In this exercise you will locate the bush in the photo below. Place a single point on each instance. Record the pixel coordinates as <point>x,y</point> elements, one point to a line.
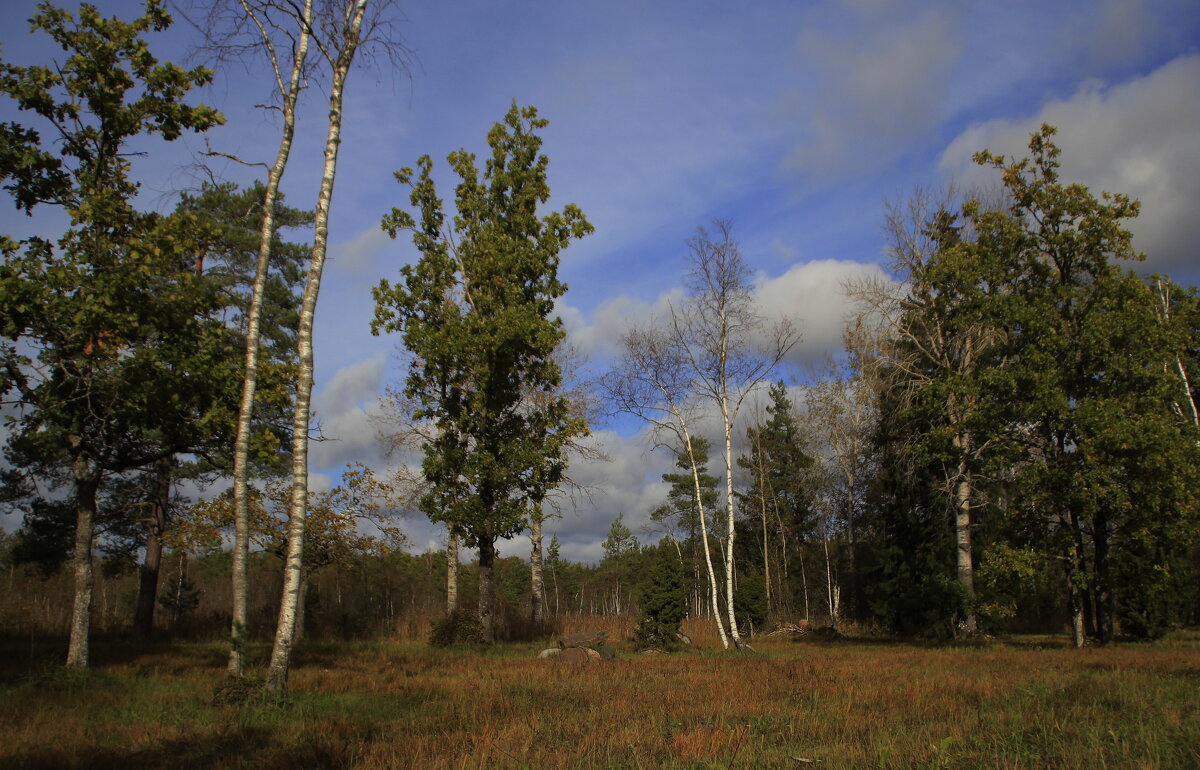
<point>663,603</point>
<point>459,627</point>
<point>750,602</point>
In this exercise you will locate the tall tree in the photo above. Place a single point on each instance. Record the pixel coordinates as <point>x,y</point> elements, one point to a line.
<point>777,494</point>
<point>477,314</point>
<point>87,303</point>
<point>287,77</point>
<point>729,349</point>
<point>1108,461</point>
<point>941,349</point>
<point>346,35</point>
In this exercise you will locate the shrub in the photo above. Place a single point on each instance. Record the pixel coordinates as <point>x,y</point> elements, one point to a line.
<point>459,627</point>
<point>663,603</point>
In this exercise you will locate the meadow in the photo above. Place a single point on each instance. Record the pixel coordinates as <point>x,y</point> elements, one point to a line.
<point>794,702</point>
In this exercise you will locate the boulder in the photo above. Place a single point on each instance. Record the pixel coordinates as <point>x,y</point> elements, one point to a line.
<point>553,652</point>
<point>683,638</point>
<point>579,655</point>
<point>606,652</point>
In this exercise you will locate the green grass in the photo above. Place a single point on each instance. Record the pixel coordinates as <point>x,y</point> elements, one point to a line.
<point>1016,704</point>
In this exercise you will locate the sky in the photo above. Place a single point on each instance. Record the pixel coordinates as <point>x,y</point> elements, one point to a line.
<point>797,121</point>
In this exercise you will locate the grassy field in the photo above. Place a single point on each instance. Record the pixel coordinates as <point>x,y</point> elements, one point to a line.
<point>1019,703</point>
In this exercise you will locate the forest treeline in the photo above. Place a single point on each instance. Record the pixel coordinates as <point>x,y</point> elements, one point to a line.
<point>1009,440</point>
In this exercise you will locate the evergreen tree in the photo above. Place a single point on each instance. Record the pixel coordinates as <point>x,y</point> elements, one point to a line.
<point>663,602</point>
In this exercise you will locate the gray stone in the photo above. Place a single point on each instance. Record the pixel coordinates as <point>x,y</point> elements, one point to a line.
<point>579,655</point>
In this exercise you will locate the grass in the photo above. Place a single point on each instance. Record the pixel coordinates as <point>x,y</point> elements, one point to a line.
<point>855,704</point>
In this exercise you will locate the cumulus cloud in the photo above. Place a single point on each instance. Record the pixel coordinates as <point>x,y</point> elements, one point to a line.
<point>344,409</point>
<point>1138,138</point>
<point>810,294</point>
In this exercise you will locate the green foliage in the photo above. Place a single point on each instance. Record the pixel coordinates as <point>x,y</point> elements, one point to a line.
<point>1004,576</point>
<point>663,602</point>
<point>620,541</point>
<point>459,627</point>
<point>476,313</point>
<point>750,601</point>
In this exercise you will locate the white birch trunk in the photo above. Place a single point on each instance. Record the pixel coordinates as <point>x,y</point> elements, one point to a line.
<point>729,500</point>
<point>962,533</point>
<point>712,578</point>
<point>241,452</point>
<point>537,599</point>
<point>451,573</point>
<point>281,652</point>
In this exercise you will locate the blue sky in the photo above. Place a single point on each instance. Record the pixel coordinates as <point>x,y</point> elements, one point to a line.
<point>796,120</point>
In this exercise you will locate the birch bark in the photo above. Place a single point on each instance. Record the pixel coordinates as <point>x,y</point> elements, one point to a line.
<point>281,652</point>
<point>241,452</point>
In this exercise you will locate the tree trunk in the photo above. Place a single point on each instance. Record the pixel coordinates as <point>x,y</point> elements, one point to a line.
<point>301,609</point>
<point>537,597</point>
<point>1104,591</point>
<point>86,480</point>
<point>281,653</point>
<point>834,592</point>
<point>804,581</point>
<point>700,515</point>
<point>147,599</point>
<point>487,588</point>
<point>241,452</point>
<point>451,573</point>
<point>729,567</point>
<point>962,532</point>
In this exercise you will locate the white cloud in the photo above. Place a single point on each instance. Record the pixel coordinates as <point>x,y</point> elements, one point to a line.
<point>811,294</point>
<point>1138,138</point>
<point>344,411</point>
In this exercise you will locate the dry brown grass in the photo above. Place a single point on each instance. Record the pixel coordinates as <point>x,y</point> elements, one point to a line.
<point>849,704</point>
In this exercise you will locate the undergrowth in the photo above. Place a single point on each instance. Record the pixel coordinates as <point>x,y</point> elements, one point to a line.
<point>834,703</point>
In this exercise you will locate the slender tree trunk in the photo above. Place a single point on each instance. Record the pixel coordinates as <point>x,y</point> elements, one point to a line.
<point>487,588</point>
<point>804,582</point>
<point>537,598</point>
<point>766,544</point>
<point>281,653</point>
<point>160,499</point>
<point>701,516</point>
<point>729,499</point>
<point>241,453</point>
<point>833,591</point>
<point>86,480</point>
<point>1104,591</point>
<point>451,573</point>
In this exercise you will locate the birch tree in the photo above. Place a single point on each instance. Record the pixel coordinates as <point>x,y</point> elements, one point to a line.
<point>652,381</point>
<point>339,54</point>
<point>282,32</point>
<point>728,349</point>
